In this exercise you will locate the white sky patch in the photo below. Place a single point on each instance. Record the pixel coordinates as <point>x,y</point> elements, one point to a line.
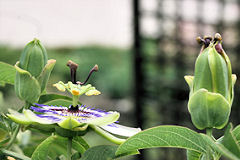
<point>62,22</point>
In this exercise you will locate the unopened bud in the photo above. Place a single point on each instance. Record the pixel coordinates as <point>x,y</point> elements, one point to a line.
<point>33,58</point>
<point>211,88</point>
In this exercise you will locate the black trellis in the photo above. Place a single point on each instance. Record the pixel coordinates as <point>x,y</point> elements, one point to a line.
<point>160,92</point>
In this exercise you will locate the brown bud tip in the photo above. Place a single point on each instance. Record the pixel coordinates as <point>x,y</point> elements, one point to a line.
<point>219,48</point>
<point>218,37</point>
<point>95,68</point>
<point>72,65</point>
<point>199,40</point>
<point>207,38</point>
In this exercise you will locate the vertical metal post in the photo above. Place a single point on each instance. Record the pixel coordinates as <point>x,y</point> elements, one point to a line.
<point>138,59</point>
<point>138,68</point>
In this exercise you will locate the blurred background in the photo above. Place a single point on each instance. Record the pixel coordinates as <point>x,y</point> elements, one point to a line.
<point>143,49</point>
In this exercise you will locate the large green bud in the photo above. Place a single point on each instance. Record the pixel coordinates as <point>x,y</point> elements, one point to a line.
<point>33,58</point>
<point>211,87</point>
<point>33,71</point>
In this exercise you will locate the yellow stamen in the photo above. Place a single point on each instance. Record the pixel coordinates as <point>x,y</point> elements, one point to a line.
<point>75,92</point>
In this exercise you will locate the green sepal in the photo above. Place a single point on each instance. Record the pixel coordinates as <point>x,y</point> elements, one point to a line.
<point>69,133</point>
<point>234,79</point>
<point>44,76</point>
<point>219,72</point>
<point>189,80</point>
<point>26,86</point>
<point>32,117</point>
<point>33,58</point>
<point>19,117</point>
<point>208,110</point>
<point>44,128</point>
<point>202,74</point>
<point>230,79</point>
<point>69,123</point>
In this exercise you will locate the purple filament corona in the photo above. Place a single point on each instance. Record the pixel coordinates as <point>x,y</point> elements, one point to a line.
<point>56,114</point>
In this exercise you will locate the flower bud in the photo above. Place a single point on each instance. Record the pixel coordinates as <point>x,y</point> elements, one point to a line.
<point>211,88</point>
<point>33,58</point>
<point>32,72</point>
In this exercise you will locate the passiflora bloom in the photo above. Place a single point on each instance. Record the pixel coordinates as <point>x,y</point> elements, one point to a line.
<point>75,119</point>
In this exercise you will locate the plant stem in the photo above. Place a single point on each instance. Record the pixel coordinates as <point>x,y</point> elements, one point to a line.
<point>69,148</point>
<point>13,136</point>
<point>16,155</point>
<point>75,100</point>
<point>27,105</point>
<point>209,133</point>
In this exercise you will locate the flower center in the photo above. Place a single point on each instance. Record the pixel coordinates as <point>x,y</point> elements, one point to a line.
<point>73,109</point>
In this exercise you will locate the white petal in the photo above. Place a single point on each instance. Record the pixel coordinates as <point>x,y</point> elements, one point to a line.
<point>105,120</point>
<point>19,117</point>
<point>121,130</point>
<point>31,116</point>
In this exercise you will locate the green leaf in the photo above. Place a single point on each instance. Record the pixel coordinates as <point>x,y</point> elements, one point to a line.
<point>236,133</point>
<point>4,142</point>
<point>3,134</point>
<point>81,141</point>
<point>60,147</point>
<point>76,156</point>
<point>193,155</point>
<point>229,141</point>
<point>59,102</point>
<point>219,148</point>
<point>49,97</point>
<point>41,152</point>
<point>78,146</point>
<point>61,142</point>
<point>55,99</point>
<point>104,152</point>
<point>164,136</point>
<point>8,73</point>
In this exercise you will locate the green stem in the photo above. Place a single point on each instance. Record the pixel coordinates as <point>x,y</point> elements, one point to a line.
<point>107,135</point>
<point>209,133</point>
<point>75,100</point>
<point>13,136</point>
<point>69,148</point>
<point>16,155</point>
<point>27,105</point>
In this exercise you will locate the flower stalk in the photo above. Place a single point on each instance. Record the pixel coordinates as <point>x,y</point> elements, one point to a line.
<point>13,137</point>
<point>69,148</point>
